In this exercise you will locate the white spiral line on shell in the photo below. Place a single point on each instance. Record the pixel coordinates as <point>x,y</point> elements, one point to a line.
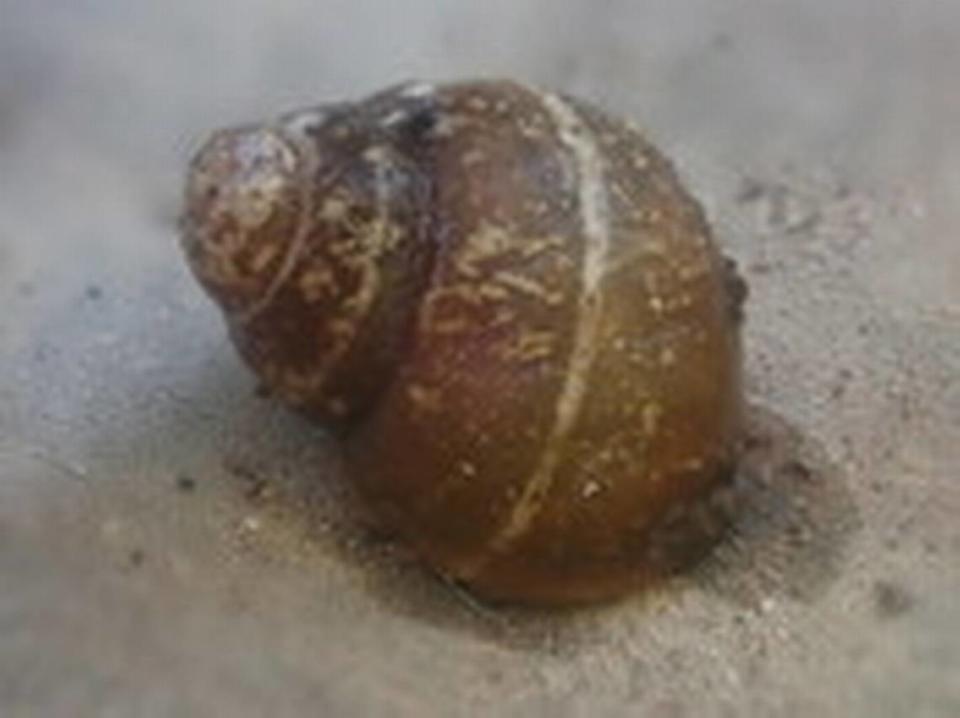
<point>595,219</point>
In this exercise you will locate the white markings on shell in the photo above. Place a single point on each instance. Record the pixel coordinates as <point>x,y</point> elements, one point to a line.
<point>417,89</point>
<point>364,245</point>
<point>302,122</point>
<point>239,180</point>
<point>479,282</point>
<point>395,117</point>
<point>410,91</point>
<point>382,234</point>
<point>251,175</point>
<point>577,139</point>
<point>306,163</point>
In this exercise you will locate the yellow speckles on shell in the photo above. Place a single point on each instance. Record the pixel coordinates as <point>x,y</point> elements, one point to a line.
<point>694,270</point>
<point>532,132</point>
<point>239,182</point>
<point>492,291</point>
<point>218,264</point>
<point>606,456</point>
<point>448,125</point>
<point>377,155</point>
<point>361,245</point>
<point>341,328</point>
<point>335,209</point>
<point>266,254</point>
<point>252,173</point>
<point>440,313</point>
<point>536,245</point>
<point>491,243</point>
<point>453,325</point>
<point>317,282</point>
<point>478,282</point>
<point>528,286</point>
<point>345,275</point>
<point>258,204</point>
<point>487,242</point>
<point>503,316</point>
<point>529,346</point>
<point>425,398</point>
<point>478,103</point>
<point>693,464</point>
<point>668,357</point>
<point>590,489</point>
<point>534,126</point>
<point>473,157</point>
<point>655,248</point>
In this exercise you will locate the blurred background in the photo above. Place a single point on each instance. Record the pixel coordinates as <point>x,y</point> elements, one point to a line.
<point>170,544</point>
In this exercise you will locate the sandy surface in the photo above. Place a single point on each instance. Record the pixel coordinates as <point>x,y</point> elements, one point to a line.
<point>172,545</point>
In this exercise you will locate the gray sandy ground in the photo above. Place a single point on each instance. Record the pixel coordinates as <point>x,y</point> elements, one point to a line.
<point>170,544</point>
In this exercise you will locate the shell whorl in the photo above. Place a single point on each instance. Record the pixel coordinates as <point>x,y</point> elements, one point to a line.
<point>313,242</point>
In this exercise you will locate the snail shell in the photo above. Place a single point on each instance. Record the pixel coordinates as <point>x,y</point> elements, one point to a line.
<point>511,310</point>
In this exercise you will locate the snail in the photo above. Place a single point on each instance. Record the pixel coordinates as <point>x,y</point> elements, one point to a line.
<point>508,308</point>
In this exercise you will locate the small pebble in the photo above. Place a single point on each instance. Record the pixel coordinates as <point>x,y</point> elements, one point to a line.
<point>186,484</point>
<point>891,600</point>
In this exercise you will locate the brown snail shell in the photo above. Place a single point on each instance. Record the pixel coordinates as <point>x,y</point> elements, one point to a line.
<point>510,308</point>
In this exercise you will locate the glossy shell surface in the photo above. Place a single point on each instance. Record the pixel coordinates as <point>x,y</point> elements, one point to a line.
<point>511,308</point>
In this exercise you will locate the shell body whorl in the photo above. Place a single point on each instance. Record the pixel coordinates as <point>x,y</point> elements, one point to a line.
<point>515,308</point>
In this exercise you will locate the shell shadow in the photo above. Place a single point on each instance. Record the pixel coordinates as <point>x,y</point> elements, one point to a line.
<point>795,518</point>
